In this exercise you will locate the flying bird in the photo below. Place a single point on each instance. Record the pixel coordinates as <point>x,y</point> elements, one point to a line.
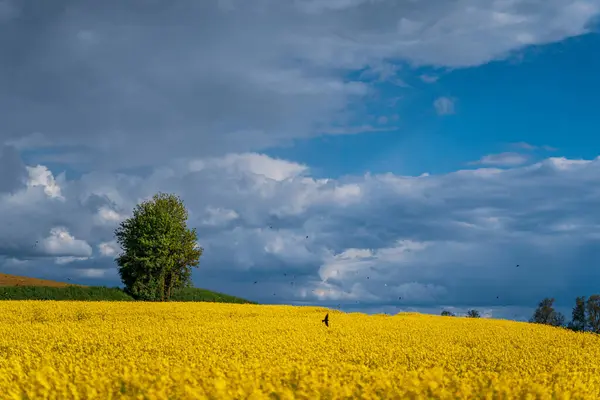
<point>326,320</point>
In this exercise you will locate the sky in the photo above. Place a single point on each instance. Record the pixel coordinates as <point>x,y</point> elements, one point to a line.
<point>372,155</point>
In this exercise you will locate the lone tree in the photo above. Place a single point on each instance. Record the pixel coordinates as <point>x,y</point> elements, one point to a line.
<point>473,314</point>
<point>447,313</point>
<point>593,313</point>
<point>158,249</point>
<point>546,314</point>
<point>578,320</point>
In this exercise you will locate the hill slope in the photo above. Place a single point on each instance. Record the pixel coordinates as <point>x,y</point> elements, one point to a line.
<point>14,287</point>
<point>16,280</point>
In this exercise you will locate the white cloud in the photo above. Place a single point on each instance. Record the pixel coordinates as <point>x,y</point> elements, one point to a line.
<point>257,164</point>
<point>433,240</point>
<point>353,130</point>
<point>503,159</point>
<point>219,216</point>
<point>68,260</point>
<point>109,249</point>
<point>444,105</point>
<point>525,146</point>
<point>61,243</point>
<point>382,120</point>
<point>108,216</point>
<point>94,273</point>
<point>429,78</point>
<point>40,176</point>
<point>528,146</point>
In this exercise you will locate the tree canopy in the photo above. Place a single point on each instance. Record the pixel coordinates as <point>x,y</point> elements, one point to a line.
<point>578,320</point>
<point>158,249</point>
<point>593,313</point>
<point>546,314</point>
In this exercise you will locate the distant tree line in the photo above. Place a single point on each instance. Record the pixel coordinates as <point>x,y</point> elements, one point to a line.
<point>584,317</point>
<point>470,314</point>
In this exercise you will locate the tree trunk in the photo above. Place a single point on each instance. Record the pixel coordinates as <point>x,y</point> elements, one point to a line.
<point>169,285</point>
<point>162,287</point>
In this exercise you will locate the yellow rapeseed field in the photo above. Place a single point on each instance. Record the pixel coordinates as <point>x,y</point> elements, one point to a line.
<point>80,350</point>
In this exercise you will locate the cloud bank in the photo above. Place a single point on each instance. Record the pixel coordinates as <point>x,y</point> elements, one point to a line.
<point>371,241</point>
<point>113,85</point>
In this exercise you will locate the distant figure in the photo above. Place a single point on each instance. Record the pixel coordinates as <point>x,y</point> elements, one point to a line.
<point>517,265</point>
<point>326,320</point>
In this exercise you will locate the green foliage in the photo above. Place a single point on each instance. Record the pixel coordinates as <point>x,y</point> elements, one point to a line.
<point>473,314</point>
<point>102,293</point>
<point>546,314</point>
<point>593,313</point>
<point>158,249</point>
<point>447,313</point>
<point>195,294</point>
<point>578,320</point>
<point>76,293</point>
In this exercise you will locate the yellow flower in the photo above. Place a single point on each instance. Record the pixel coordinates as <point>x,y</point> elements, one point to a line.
<point>110,350</point>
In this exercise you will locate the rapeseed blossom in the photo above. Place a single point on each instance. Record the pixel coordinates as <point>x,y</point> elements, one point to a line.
<point>110,350</point>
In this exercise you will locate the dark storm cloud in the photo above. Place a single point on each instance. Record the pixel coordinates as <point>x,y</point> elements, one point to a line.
<point>128,83</point>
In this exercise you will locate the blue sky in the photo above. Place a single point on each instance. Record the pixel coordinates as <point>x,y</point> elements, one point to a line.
<point>390,156</point>
<point>543,95</point>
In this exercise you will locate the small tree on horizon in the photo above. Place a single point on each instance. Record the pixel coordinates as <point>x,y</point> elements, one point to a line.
<point>593,313</point>
<point>578,320</point>
<point>447,313</point>
<point>473,314</point>
<point>158,249</point>
<point>546,314</point>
